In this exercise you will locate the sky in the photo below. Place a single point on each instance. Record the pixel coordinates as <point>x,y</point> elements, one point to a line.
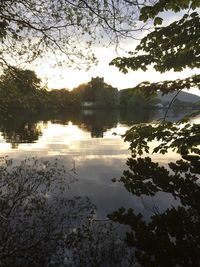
<point>63,77</point>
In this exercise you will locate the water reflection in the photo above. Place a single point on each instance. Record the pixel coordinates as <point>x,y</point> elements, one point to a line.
<point>18,130</point>
<point>43,222</point>
<point>41,225</point>
<point>27,128</point>
<point>168,236</point>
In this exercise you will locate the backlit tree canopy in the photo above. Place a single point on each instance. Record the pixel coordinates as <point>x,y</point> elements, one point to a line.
<point>171,46</point>
<point>168,237</point>
<point>23,80</point>
<point>29,29</point>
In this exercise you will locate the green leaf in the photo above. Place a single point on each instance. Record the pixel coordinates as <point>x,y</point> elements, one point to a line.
<point>158,21</point>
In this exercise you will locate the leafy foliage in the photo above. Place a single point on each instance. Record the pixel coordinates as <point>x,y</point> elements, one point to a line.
<point>18,79</point>
<point>41,224</point>
<point>35,214</point>
<point>22,89</point>
<point>175,46</point>
<point>170,236</point>
<point>149,89</point>
<point>30,29</point>
<point>100,244</point>
<point>137,98</point>
<point>182,138</point>
<point>150,12</point>
<point>161,239</point>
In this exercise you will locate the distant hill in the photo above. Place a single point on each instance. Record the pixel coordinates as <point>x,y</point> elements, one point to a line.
<point>182,96</point>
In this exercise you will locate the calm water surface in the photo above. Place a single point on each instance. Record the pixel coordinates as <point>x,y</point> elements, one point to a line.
<point>90,147</point>
<point>89,143</point>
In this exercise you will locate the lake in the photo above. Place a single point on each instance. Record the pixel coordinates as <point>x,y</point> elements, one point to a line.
<point>89,148</point>
<point>89,141</point>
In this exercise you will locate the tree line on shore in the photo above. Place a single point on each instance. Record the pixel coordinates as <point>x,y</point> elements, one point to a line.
<point>22,89</point>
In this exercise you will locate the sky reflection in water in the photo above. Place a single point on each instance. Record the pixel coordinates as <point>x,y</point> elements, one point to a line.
<point>85,142</point>
<point>91,149</point>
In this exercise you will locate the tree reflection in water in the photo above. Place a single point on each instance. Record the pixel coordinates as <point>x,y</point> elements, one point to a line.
<point>40,225</point>
<point>23,128</point>
<point>20,129</point>
<point>170,237</point>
